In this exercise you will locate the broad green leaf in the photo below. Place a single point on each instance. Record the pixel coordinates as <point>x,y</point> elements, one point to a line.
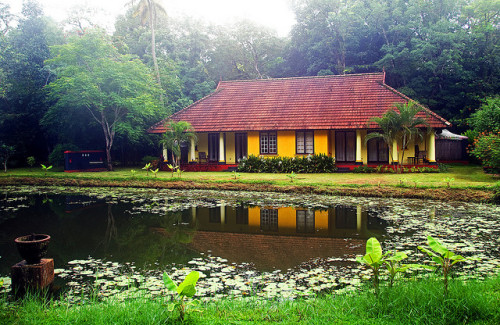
<point>360,259</point>
<point>169,284</point>
<point>436,246</point>
<point>374,249</point>
<point>188,291</point>
<point>425,250</point>
<point>171,307</point>
<point>190,279</point>
<point>438,260</point>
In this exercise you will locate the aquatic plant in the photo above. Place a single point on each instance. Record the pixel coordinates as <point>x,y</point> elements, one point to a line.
<point>443,257</point>
<point>184,290</point>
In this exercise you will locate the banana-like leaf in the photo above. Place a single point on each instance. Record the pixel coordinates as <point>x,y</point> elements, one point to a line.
<point>396,256</point>
<point>436,246</point>
<point>188,291</point>
<point>374,250</point>
<point>425,250</point>
<point>438,260</point>
<point>171,307</point>
<point>169,284</point>
<point>190,280</point>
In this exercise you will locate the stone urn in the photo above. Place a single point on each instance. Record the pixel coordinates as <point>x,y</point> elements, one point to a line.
<point>33,247</point>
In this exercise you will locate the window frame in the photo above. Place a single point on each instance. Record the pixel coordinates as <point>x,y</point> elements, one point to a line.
<point>304,138</point>
<point>268,142</point>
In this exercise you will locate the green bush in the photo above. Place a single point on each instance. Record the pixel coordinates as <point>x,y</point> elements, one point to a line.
<point>56,157</point>
<point>366,169</point>
<point>487,149</point>
<point>310,164</point>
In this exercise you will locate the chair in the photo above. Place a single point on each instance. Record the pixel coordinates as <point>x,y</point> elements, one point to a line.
<point>202,156</point>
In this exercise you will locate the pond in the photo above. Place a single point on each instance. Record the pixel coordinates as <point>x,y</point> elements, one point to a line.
<point>268,244</point>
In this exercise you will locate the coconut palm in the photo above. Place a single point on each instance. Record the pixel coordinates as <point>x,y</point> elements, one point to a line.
<point>148,11</point>
<point>402,126</point>
<point>177,133</point>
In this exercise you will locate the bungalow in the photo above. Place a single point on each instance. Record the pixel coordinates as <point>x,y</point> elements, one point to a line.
<point>295,117</point>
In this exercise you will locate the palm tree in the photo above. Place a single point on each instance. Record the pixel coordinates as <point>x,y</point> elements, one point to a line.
<point>402,126</point>
<point>148,10</point>
<point>177,133</point>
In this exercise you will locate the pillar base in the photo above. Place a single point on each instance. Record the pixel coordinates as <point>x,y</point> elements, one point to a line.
<point>358,163</point>
<point>32,276</point>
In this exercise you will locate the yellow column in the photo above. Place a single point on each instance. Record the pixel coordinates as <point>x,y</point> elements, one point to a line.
<point>193,215</point>
<point>221,147</point>
<point>395,151</point>
<point>359,159</point>
<point>192,155</point>
<point>431,151</point>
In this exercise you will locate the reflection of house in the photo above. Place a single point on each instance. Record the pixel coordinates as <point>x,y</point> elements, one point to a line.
<point>295,117</point>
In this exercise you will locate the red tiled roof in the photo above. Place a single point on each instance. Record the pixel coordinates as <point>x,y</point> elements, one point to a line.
<point>314,103</point>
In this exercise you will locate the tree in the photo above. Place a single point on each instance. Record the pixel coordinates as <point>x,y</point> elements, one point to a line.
<point>177,133</point>
<point>116,90</point>
<point>5,153</point>
<point>148,11</point>
<point>402,126</point>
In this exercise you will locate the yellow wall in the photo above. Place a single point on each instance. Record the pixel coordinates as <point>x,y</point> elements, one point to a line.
<point>364,147</point>
<point>202,143</point>
<point>230,148</point>
<point>321,142</point>
<point>253,143</point>
<point>286,143</point>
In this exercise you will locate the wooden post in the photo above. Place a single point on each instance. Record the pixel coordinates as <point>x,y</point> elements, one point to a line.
<point>32,276</point>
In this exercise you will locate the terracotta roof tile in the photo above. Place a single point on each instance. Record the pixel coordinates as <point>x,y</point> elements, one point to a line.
<point>319,103</point>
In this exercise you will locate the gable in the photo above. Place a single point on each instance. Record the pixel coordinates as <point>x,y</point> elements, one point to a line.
<point>306,103</point>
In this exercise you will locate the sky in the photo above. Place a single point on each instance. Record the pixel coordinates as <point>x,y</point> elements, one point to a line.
<point>275,14</point>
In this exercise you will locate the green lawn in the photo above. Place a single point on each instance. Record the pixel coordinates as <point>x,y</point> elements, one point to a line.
<point>464,176</point>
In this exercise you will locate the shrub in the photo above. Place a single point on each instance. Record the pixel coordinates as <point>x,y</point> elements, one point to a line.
<point>365,169</point>
<point>487,149</point>
<point>56,157</point>
<point>311,164</point>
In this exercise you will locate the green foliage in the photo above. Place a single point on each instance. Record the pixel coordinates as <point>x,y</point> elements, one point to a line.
<point>31,161</point>
<point>45,169</point>
<point>133,172</point>
<point>117,91</point>
<point>149,159</point>
<point>443,257</point>
<point>5,153</point>
<point>187,289</point>
<point>311,164</point>
<point>176,134</point>
<point>366,169</point>
<point>448,181</point>
<point>292,176</point>
<point>487,150</point>
<point>155,171</point>
<point>56,157</point>
<point>236,175</point>
<point>147,168</point>
<point>373,259</point>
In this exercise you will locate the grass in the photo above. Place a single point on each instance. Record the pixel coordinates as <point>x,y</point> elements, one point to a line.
<point>412,302</point>
<point>465,176</point>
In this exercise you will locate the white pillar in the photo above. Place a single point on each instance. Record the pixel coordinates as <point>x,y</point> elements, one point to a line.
<point>222,214</point>
<point>221,147</point>
<point>165,153</point>
<point>359,159</point>
<point>431,148</point>
<point>192,154</point>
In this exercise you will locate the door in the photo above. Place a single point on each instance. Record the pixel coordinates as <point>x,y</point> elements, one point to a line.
<point>213,147</point>
<point>241,146</point>
<point>345,146</point>
<point>378,152</point>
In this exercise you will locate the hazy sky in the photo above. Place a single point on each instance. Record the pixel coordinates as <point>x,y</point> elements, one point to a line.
<point>272,13</point>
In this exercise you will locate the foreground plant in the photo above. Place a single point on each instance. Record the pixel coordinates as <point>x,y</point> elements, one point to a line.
<point>155,171</point>
<point>45,169</point>
<point>443,258</point>
<point>185,290</point>
<point>292,176</point>
<point>147,167</point>
<point>373,259</point>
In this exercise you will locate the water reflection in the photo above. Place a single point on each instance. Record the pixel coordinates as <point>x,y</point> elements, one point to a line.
<point>269,237</point>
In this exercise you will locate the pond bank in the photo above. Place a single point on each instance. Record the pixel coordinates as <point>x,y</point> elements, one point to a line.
<point>404,191</point>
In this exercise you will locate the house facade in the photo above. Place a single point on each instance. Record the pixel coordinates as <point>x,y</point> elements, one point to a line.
<point>292,117</point>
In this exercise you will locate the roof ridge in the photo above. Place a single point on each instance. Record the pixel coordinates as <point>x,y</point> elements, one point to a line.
<point>305,77</point>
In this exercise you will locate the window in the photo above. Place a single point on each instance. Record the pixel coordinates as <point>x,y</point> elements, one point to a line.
<point>269,219</point>
<point>268,143</point>
<point>304,143</point>
<point>305,221</point>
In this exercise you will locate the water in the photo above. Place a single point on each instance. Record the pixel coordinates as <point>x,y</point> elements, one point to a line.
<point>269,237</point>
<point>272,245</point>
